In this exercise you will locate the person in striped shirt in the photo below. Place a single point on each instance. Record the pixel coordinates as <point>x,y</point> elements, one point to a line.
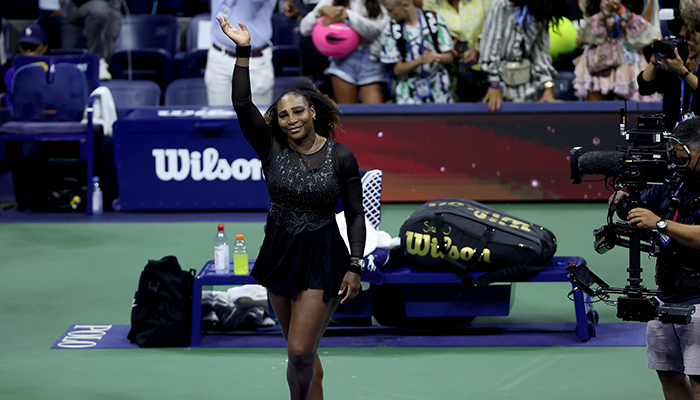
<point>515,50</point>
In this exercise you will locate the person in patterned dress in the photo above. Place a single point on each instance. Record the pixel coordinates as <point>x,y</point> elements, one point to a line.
<point>410,50</point>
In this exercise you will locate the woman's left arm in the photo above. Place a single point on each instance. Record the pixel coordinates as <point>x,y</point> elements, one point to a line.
<point>639,32</point>
<point>351,195</point>
<point>369,29</point>
<point>542,69</point>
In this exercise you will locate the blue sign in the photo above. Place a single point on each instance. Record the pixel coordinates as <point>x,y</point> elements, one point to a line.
<point>183,158</point>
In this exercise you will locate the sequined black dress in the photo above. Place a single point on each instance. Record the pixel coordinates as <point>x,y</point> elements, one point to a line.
<point>303,248</point>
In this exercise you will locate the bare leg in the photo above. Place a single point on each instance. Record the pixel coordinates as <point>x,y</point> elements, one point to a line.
<point>596,96</point>
<point>372,93</point>
<point>343,92</point>
<point>695,386</point>
<point>303,321</point>
<point>675,385</point>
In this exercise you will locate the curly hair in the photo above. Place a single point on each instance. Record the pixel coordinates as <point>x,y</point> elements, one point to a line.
<point>327,112</point>
<point>691,17</point>
<point>372,6</point>
<point>635,6</point>
<point>544,11</point>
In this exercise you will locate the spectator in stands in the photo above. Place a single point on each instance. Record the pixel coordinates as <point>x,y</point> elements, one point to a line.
<point>416,45</point>
<point>464,20</point>
<point>102,22</point>
<point>515,50</point>
<point>621,24</point>
<point>312,62</point>
<point>360,70</point>
<point>32,42</point>
<point>257,14</point>
<point>675,78</point>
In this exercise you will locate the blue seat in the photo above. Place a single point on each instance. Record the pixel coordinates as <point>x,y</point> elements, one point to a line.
<point>285,45</point>
<point>88,63</point>
<point>48,105</point>
<point>564,86</point>
<point>186,92</point>
<point>194,62</point>
<point>145,48</point>
<point>128,94</point>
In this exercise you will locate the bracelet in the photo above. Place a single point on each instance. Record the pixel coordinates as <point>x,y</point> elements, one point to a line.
<point>624,13</point>
<point>357,266</point>
<point>685,74</point>
<point>243,51</point>
<point>495,85</point>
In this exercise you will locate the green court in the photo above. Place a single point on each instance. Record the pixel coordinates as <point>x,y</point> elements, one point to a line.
<point>58,274</point>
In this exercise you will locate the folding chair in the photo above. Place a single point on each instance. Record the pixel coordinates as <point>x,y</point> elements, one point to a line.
<point>48,105</point>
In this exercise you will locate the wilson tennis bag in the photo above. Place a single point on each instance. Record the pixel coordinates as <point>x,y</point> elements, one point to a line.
<point>461,236</point>
<point>161,315</point>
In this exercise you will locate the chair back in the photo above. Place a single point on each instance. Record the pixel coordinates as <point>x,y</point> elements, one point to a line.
<point>89,64</point>
<point>137,93</point>
<point>58,93</point>
<point>198,32</point>
<point>149,31</point>
<point>186,92</point>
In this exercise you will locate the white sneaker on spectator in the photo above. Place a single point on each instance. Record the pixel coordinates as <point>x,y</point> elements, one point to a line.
<point>104,70</point>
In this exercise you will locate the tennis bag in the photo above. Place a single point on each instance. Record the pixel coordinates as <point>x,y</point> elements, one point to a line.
<point>461,236</point>
<point>161,315</point>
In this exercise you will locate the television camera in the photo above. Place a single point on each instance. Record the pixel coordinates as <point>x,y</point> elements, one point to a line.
<point>649,160</point>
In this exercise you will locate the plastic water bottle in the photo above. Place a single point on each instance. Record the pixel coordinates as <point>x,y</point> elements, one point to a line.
<point>221,254</point>
<point>96,196</point>
<point>240,256</point>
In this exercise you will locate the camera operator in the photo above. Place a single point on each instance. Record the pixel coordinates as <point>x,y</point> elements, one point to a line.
<point>673,350</point>
<point>673,77</point>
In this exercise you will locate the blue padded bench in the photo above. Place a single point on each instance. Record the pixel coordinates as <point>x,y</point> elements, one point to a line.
<point>417,294</point>
<point>411,293</point>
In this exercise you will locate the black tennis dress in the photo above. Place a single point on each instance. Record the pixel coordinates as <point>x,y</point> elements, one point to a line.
<point>302,248</point>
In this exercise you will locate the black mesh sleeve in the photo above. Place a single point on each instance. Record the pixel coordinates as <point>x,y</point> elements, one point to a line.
<point>255,130</point>
<point>351,195</point>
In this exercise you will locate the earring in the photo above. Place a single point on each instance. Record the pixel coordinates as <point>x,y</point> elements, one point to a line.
<point>314,118</point>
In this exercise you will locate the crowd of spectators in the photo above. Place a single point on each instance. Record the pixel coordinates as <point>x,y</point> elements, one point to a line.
<point>434,51</point>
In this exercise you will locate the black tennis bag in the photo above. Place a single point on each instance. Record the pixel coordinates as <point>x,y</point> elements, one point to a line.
<point>161,315</point>
<point>460,235</point>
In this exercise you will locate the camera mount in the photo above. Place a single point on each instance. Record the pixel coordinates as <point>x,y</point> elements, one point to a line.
<point>649,160</point>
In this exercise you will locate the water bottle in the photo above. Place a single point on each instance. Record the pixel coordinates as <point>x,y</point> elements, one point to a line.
<point>221,254</point>
<point>240,256</point>
<point>96,196</point>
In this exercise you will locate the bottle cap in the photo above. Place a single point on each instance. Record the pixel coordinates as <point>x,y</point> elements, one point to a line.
<point>221,227</point>
<point>239,237</point>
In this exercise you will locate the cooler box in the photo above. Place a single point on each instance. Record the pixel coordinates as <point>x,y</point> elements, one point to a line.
<point>186,158</point>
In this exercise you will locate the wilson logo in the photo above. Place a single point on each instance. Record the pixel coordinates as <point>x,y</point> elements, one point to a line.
<point>178,164</point>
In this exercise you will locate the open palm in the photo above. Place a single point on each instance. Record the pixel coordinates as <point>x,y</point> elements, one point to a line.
<point>239,36</point>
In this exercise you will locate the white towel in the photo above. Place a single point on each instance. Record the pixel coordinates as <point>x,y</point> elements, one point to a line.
<point>104,110</point>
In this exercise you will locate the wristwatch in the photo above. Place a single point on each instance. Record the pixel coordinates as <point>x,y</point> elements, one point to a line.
<point>661,225</point>
<point>548,85</point>
<point>685,74</point>
<point>357,265</point>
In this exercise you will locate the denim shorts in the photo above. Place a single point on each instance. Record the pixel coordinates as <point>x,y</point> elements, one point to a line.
<point>359,68</point>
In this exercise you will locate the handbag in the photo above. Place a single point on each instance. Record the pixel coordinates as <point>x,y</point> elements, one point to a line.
<point>602,59</point>
<point>516,73</point>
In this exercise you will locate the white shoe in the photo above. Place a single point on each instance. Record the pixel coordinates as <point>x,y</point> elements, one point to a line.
<point>104,70</point>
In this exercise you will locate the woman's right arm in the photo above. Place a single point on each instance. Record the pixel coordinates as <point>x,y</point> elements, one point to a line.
<point>253,125</point>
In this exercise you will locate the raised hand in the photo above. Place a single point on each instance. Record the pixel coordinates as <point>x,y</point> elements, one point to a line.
<point>241,37</point>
